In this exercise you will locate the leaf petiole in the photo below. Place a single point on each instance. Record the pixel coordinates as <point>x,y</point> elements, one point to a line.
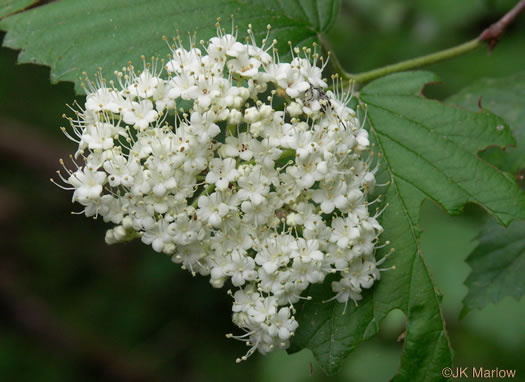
<point>490,35</point>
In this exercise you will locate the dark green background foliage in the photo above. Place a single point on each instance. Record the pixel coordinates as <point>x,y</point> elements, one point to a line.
<point>74,309</point>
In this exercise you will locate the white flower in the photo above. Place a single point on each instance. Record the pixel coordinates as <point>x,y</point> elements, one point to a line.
<point>212,209</point>
<point>242,268</point>
<point>159,237</point>
<point>238,146</point>
<point>204,91</point>
<point>204,162</point>
<point>307,271</point>
<point>306,250</point>
<point>283,325</point>
<point>186,230</point>
<point>219,47</point>
<point>253,186</point>
<point>161,96</point>
<point>181,86</point>
<point>330,196</point>
<point>203,126</point>
<point>274,252</point>
<point>184,61</point>
<point>312,73</point>
<point>88,184</point>
<point>265,153</point>
<point>262,309</point>
<point>244,299</point>
<point>140,114</point>
<point>104,99</point>
<point>99,136</point>
<point>292,81</point>
<point>118,171</point>
<point>345,290</point>
<point>222,172</point>
<point>192,257</point>
<point>144,85</point>
<point>255,213</point>
<point>242,63</point>
<point>345,230</point>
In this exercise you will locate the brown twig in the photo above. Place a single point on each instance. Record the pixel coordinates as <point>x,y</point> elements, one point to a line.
<point>493,33</point>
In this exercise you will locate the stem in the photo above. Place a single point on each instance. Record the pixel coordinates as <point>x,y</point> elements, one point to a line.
<point>418,62</point>
<point>490,35</point>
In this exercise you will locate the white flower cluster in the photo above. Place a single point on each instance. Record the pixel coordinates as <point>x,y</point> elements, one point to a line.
<point>258,182</point>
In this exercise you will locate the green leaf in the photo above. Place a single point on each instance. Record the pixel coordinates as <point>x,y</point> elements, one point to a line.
<point>506,98</point>
<point>8,7</point>
<point>74,36</point>
<point>498,266</point>
<point>429,150</point>
<point>498,263</point>
<point>320,15</point>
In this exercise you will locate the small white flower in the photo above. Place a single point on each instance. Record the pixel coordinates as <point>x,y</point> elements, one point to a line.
<point>202,126</point>
<point>159,237</point>
<point>242,268</point>
<point>344,231</point>
<point>144,85</point>
<point>345,290</point>
<point>140,114</point>
<point>261,310</point>
<point>236,186</point>
<point>255,213</point>
<point>99,136</point>
<point>212,209</point>
<point>222,172</point>
<point>330,196</point>
<point>104,99</point>
<point>253,186</point>
<point>88,184</point>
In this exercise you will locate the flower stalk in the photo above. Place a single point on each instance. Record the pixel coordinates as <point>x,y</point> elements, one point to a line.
<point>490,35</point>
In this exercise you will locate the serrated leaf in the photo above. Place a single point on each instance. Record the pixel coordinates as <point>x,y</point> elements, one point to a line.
<point>74,36</point>
<point>506,98</point>
<point>429,150</point>
<point>8,7</point>
<point>498,266</point>
<point>498,263</point>
<point>432,148</point>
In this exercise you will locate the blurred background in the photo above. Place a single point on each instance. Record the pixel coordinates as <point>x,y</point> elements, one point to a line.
<point>74,309</point>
